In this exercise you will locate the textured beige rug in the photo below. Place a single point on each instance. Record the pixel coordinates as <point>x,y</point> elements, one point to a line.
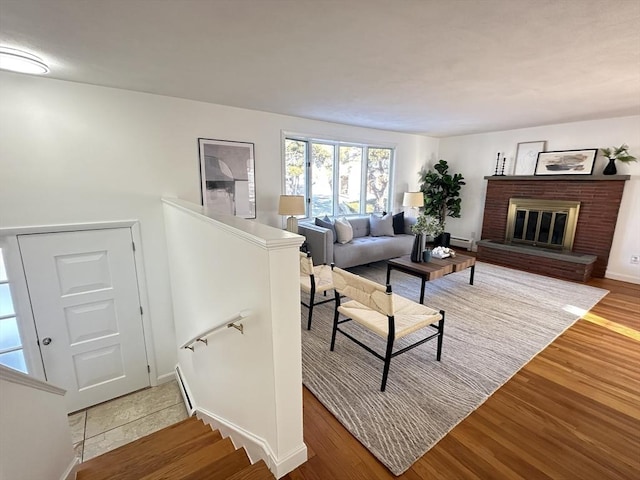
<point>492,329</point>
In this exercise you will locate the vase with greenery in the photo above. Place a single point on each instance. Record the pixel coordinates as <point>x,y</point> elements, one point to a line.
<point>425,226</point>
<point>616,153</point>
<point>441,195</point>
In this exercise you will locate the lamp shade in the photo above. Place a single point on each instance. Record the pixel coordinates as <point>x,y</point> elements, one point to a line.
<point>291,205</point>
<point>413,199</point>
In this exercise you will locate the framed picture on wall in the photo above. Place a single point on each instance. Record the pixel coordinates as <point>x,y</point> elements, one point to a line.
<point>227,177</point>
<point>527,156</point>
<point>566,162</point>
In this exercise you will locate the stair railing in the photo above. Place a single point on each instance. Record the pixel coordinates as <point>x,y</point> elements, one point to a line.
<point>229,323</point>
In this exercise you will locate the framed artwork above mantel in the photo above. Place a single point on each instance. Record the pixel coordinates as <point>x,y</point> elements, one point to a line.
<point>527,156</point>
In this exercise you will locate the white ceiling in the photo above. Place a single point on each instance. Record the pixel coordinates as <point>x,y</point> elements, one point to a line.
<point>438,67</point>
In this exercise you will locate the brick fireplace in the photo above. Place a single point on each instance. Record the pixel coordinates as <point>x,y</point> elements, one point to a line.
<point>599,198</point>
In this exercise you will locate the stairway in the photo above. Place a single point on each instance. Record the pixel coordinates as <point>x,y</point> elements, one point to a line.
<point>188,450</point>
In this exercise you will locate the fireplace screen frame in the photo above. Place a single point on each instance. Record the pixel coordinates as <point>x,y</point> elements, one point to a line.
<point>570,208</point>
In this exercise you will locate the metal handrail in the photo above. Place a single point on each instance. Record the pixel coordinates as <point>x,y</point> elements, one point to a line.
<point>230,323</point>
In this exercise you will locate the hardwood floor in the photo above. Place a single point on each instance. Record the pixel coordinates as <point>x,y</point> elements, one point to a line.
<point>573,412</point>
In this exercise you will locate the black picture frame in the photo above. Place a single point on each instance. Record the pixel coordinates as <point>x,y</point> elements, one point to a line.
<point>566,162</point>
<point>227,177</point>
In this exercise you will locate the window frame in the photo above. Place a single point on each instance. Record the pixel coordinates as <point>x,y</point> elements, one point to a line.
<point>337,143</point>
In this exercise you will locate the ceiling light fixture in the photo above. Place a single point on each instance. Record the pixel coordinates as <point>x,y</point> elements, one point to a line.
<point>23,62</point>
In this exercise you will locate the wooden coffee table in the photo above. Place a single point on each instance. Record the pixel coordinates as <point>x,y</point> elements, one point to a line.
<point>436,268</point>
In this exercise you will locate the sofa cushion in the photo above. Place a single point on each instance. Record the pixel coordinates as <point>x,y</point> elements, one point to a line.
<point>360,226</point>
<point>344,230</point>
<point>398,223</point>
<point>326,222</point>
<point>381,226</point>
<point>371,249</point>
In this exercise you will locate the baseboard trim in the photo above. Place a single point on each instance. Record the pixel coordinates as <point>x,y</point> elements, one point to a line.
<point>70,472</point>
<point>166,378</point>
<point>257,448</point>
<point>622,277</point>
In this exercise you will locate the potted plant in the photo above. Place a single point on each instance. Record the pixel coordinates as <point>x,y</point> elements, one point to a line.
<point>425,226</point>
<point>616,153</point>
<point>441,196</point>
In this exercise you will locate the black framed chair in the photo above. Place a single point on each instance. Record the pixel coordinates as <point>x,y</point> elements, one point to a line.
<point>313,280</point>
<point>390,316</point>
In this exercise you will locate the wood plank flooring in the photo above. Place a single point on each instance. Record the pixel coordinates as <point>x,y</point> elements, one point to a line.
<point>573,412</point>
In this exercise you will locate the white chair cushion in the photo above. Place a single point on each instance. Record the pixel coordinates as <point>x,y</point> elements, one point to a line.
<point>323,279</point>
<point>409,316</point>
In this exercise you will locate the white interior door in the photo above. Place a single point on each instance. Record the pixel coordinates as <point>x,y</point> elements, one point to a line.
<point>84,296</point>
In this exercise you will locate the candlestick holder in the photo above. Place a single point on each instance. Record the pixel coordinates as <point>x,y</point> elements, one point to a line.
<point>495,174</point>
<point>504,160</point>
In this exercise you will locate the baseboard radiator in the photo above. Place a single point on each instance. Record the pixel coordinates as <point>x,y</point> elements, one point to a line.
<point>461,242</point>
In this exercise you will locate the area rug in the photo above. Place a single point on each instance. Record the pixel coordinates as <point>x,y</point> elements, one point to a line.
<point>492,329</point>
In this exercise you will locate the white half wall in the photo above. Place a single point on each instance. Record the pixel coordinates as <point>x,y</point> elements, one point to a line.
<point>475,156</point>
<point>77,153</point>
<point>250,383</point>
<point>35,439</point>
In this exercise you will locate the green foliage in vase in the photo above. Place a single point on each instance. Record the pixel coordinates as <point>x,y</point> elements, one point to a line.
<point>427,225</point>
<point>618,153</point>
<point>441,192</point>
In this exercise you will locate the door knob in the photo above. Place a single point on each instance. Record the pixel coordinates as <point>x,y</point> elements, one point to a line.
<point>46,341</point>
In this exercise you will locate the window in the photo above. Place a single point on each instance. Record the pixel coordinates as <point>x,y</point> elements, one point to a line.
<point>11,353</point>
<point>338,178</point>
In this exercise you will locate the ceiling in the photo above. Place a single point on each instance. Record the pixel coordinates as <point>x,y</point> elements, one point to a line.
<point>436,67</point>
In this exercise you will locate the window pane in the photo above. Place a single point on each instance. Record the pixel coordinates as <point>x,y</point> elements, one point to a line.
<point>518,229</point>
<point>9,335</point>
<point>14,360</point>
<point>295,172</point>
<point>559,226</point>
<point>532,224</point>
<point>545,227</point>
<point>321,179</point>
<point>3,271</point>
<point>378,170</point>
<point>350,175</point>
<point>6,304</point>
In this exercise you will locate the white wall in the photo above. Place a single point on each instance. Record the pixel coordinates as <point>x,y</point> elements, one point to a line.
<point>474,156</point>
<point>73,153</point>
<point>250,382</point>
<point>35,439</point>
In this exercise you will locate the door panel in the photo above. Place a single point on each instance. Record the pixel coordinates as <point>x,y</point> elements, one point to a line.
<point>84,295</point>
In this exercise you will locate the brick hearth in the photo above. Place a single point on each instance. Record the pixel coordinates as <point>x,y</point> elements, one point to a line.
<point>599,198</point>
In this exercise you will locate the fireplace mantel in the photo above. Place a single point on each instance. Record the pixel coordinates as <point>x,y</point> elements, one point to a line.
<point>558,177</point>
<point>599,197</point>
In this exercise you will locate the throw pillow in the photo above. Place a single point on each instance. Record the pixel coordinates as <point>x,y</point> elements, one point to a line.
<point>326,222</point>
<point>398,223</point>
<point>381,226</point>
<point>344,230</point>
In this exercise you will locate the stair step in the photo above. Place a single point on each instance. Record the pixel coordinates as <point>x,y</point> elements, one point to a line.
<point>123,462</point>
<point>223,468</point>
<point>257,471</point>
<point>192,462</point>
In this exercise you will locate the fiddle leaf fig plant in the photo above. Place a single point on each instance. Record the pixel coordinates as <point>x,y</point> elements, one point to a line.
<point>618,153</point>
<point>441,192</point>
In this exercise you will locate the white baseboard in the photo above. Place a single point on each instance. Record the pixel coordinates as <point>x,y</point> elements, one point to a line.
<point>167,377</point>
<point>622,277</point>
<point>70,472</point>
<point>257,448</point>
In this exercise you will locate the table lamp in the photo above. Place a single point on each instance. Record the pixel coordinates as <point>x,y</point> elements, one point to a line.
<point>291,205</point>
<point>413,200</point>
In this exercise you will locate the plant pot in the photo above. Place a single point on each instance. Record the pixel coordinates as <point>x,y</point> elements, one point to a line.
<point>610,169</point>
<point>442,240</point>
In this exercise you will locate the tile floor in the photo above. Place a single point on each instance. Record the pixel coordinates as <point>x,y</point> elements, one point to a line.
<point>109,425</point>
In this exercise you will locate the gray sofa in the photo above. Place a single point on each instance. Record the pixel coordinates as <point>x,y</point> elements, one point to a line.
<point>361,250</point>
